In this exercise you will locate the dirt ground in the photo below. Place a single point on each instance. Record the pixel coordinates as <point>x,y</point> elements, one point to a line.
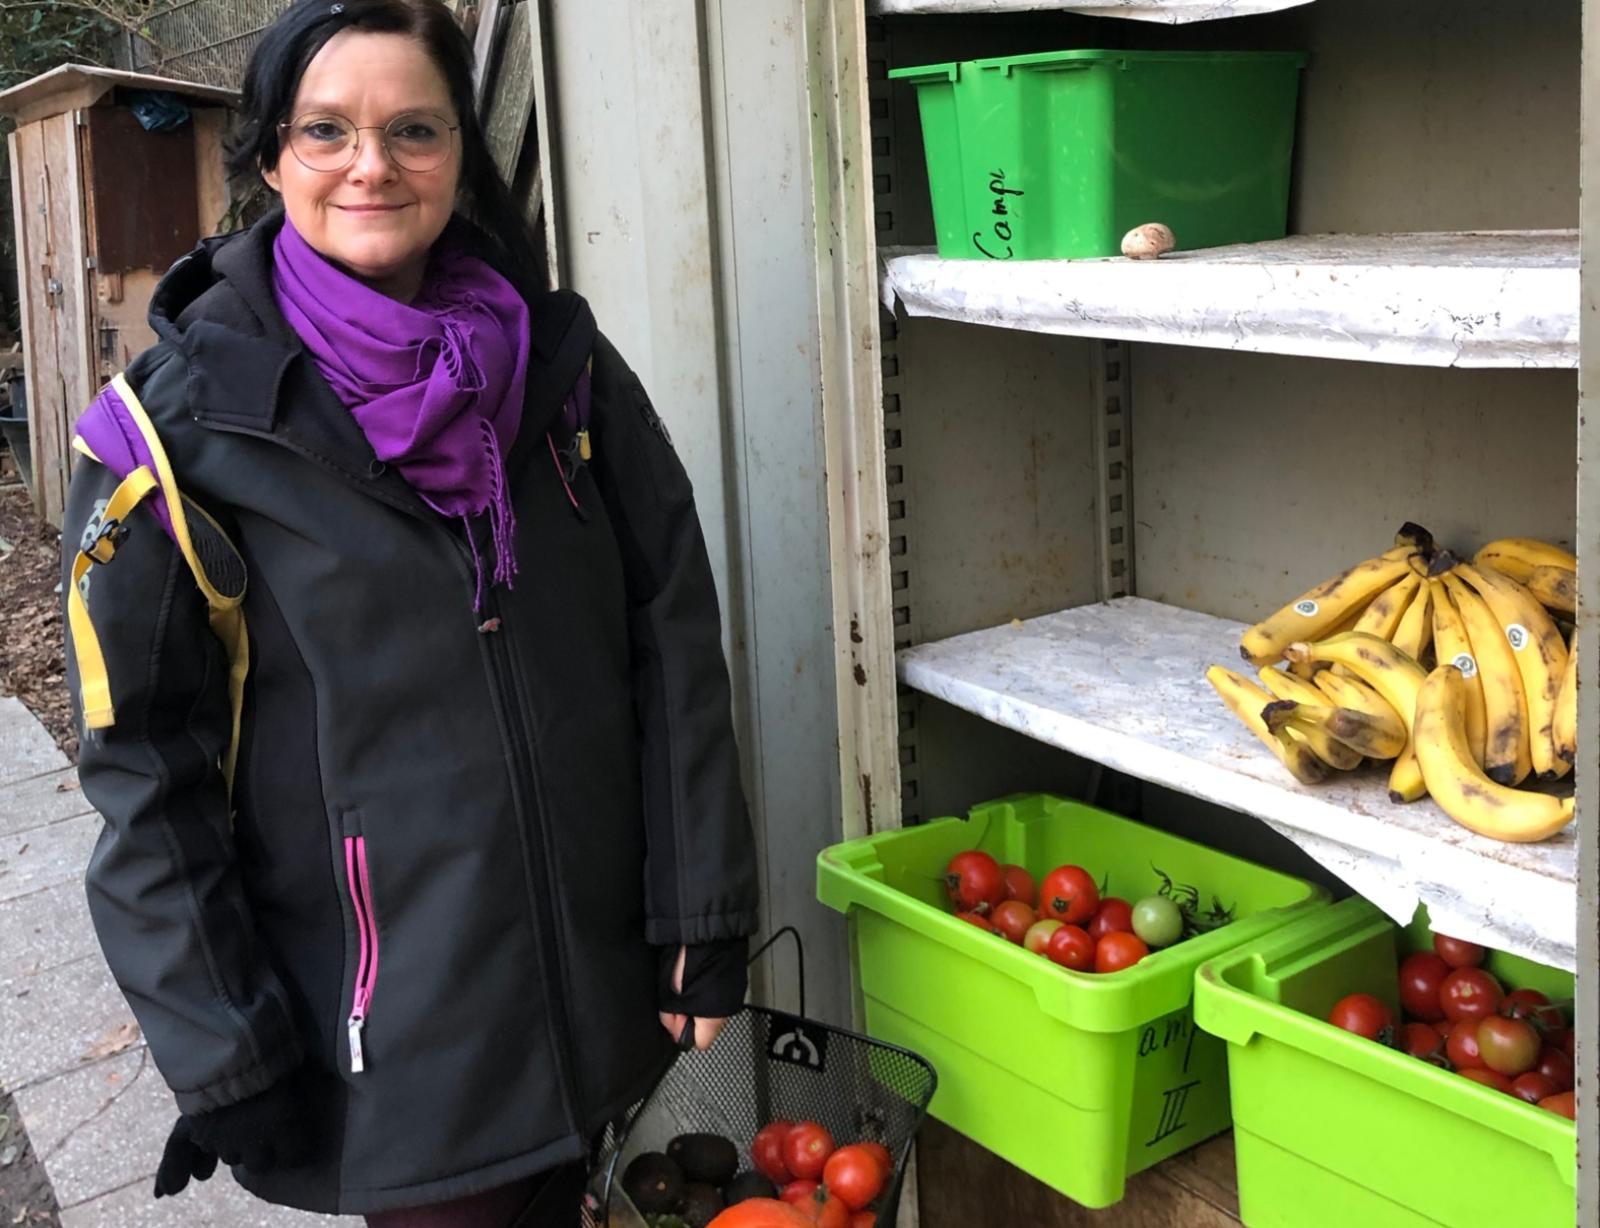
<point>31,668</point>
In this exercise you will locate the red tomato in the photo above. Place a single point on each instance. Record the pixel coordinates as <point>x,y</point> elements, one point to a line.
<point>824,1209</point>
<point>1564,1104</point>
<point>1114,916</point>
<point>1532,1087</point>
<point>1489,1078</point>
<point>1556,1066</point>
<point>1364,1015</point>
<point>1420,977</point>
<point>767,1152</point>
<point>1462,1047</point>
<point>1444,1027</point>
<point>853,1175</point>
<point>1564,1040</point>
<point>1117,951</point>
<point>1038,935</point>
<point>1071,947</point>
<point>1019,885</point>
<point>1068,894</point>
<point>806,1149</point>
<point>1420,1039</point>
<point>973,882</point>
<point>864,1219</point>
<point>1457,952</point>
<point>972,918</point>
<point>797,1191</point>
<point>1509,1046</point>
<point>1013,919</point>
<point>1531,1004</point>
<point>1469,993</point>
<point>881,1154</point>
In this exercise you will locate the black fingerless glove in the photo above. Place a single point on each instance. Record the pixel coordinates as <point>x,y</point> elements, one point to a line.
<point>715,979</point>
<point>261,1133</point>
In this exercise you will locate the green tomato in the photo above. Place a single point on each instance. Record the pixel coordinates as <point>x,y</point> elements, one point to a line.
<point>1157,921</point>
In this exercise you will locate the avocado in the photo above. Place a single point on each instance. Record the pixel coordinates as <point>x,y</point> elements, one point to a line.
<point>702,1204</point>
<point>655,1183</point>
<point>707,1158</point>
<point>749,1185</point>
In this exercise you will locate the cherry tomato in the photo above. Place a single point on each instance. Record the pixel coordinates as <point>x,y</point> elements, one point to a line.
<point>1556,1066</point>
<point>1509,1046</point>
<point>806,1149</point>
<point>1157,921</point>
<point>1019,885</point>
<point>1071,947</point>
<point>1364,1015</point>
<point>1532,1087</point>
<point>1531,1004</point>
<point>1068,894</point>
<point>1013,919</point>
<point>1457,952</point>
<point>1038,935</point>
<point>1420,977</point>
<point>1564,1104</point>
<point>1117,951</point>
<point>864,1219</point>
<point>1462,1047</point>
<point>767,1152</point>
<point>1420,1039</point>
<point>972,918</point>
<point>1444,1027</point>
<point>1489,1078</point>
<point>798,1191</point>
<point>1114,916</point>
<point>973,882</point>
<point>1469,993</point>
<point>823,1209</point>
<point>853,1174</point>
<point>880,1153</point>
<point>1564,1040</point>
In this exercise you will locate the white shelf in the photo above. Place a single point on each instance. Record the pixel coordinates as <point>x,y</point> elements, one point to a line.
<point>1488,299</point>
<point>1123,684</point>
<point>1172,12</point>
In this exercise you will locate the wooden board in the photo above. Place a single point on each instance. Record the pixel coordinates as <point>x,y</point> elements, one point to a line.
<point>122,323</point>
<point>142,201</point>
<point>211,176</point>
<point>510,101</point>
<point>962,1184</point>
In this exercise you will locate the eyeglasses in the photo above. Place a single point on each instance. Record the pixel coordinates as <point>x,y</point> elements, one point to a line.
<point>415,141</point>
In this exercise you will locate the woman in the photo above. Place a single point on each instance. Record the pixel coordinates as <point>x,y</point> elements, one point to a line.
<point>483,857</point>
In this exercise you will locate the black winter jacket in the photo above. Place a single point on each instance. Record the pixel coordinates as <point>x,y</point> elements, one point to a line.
<point>539,801</point>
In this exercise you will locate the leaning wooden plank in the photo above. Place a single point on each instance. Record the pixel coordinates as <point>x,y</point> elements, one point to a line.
<point>511,98</point>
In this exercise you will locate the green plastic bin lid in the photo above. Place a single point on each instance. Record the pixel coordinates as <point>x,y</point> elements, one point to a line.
<point>1086,58</point>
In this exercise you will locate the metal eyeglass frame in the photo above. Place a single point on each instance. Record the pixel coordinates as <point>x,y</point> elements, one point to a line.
<point>355,149</point>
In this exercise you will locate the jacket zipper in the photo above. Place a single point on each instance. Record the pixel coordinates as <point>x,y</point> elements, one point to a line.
<point>360,884</point>
<point>526,785</point>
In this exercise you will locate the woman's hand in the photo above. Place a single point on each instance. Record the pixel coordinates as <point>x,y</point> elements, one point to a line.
<point>705,1030</point>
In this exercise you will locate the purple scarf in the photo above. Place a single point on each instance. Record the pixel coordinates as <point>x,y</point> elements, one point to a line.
<point>436,385</point>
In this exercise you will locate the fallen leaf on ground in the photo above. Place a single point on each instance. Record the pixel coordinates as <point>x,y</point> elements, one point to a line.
<point>122,1037</point>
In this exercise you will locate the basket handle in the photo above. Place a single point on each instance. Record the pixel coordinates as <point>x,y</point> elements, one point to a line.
<point>799,959</point>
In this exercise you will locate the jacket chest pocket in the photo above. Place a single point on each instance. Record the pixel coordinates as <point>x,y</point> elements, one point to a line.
<point>362,944</point>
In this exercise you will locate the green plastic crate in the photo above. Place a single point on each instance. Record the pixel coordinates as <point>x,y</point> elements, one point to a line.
<point>1053,156</point>
<point>1079,1079</point>
<point>1332,1129</point>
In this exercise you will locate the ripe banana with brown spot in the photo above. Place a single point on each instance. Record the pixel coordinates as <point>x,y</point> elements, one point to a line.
<point>1456,782</point>
<point>1518,556</point>
<point>1285,685</point>
<point>1318,610</point>
<point>1357,733</point>
<point>1540,653</point>
<point>1506,758</point>
<point>1555,587</point>
<point>1395,676</point>
<point>1246,700</point>
<point>1347,691</point>
<point>1382,617</point>
<point>1452,647</point>
<point>1565,727</point>
<point>1414,635</point>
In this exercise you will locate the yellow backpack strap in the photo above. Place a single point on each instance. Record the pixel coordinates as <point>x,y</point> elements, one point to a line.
<point>213,560</point>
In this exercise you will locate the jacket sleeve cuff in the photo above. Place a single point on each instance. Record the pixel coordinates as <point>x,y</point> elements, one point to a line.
<point>696,931</point>
<point>231,1089</point>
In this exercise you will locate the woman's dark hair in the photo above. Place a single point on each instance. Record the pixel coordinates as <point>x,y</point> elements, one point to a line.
<point>272,78</point>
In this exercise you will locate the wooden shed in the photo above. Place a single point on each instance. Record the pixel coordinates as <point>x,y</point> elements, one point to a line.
<point>103,206</point>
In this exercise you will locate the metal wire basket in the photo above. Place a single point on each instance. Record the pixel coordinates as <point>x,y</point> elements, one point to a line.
<point>770,1065</point>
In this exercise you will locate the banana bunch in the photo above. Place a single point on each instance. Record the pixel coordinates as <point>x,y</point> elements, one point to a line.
<point>1456,673</point>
